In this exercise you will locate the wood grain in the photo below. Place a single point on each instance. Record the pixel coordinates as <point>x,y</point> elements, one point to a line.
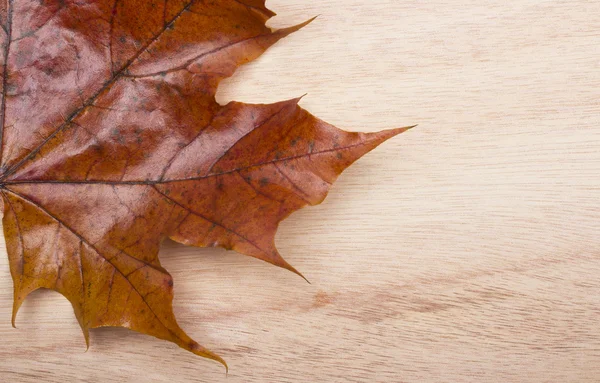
<point>467,250</point>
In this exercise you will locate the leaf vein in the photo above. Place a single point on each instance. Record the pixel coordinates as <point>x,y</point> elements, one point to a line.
<point>202,216</point>
<point>91,246</point>
<point>5,75</point>
<point>107,85</point>
<point>160,182</point>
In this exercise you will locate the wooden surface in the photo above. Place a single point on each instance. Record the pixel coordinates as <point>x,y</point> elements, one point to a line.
<point>467,250</point>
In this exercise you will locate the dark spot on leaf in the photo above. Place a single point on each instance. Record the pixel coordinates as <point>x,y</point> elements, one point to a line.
<point>11,89</point>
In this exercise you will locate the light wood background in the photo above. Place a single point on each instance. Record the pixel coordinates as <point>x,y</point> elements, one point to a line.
<point>466,250</point>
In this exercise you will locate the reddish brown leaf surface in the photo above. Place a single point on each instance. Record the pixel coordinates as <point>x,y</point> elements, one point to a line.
<point>111,140</point>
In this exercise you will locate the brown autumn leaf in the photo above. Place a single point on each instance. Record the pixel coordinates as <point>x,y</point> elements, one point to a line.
<point>112,140</point>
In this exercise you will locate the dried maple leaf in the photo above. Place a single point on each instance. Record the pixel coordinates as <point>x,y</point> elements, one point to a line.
<point>112,140</point>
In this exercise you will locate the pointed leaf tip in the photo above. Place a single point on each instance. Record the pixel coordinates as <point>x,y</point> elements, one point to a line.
<point>16,305</point>
<point>384,135</point>
<point>289,30</point>
<point>86,335</point>
<point>397,131</point>
<point>211,355</point>
<point>295,271</point>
